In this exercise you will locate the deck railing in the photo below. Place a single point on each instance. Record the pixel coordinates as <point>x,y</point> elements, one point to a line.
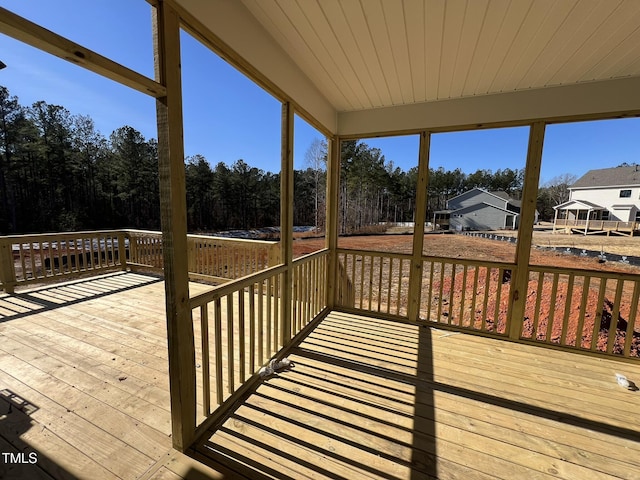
<point>240,325</point>
<point>41,258</point>
<point>27,259</point>
<point>605,305</point>
<point>214,259</point>
<point>584,310</point>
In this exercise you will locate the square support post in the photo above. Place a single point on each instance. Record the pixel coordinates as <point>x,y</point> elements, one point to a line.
<point>331,236</point>
<point>286,219</point>
<point>173,211</point>
<point>415,275</point>
<point>520,280</point>
<point>7,267</point>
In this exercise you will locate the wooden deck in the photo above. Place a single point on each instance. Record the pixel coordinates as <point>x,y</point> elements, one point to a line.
<point>83,366</point>
<point>375,399</point>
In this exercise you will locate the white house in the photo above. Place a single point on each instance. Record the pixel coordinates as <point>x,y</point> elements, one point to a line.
<point>478,209</point>
<point>606,199</point>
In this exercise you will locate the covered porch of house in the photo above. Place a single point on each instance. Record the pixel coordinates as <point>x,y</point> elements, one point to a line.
<point>398,374</point>
<point>85,384</point>
<point>581,216</point>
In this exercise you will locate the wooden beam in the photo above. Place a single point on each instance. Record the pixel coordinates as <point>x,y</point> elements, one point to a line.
<point>415,274</point>
<point>32,34</point>
<point>286,218</point>
<point>331,234</point>
<point>182,380</point>
<point>520,281</point>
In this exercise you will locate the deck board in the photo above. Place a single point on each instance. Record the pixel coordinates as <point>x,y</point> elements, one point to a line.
<point>378,399</point>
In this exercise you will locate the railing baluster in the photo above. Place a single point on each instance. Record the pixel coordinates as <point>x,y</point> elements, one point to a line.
<point>552,306</point>
<point>206,378</point>
<point>615,315</point>
<point>485,303</point>
<point>272,347</point>
<point>252,329</point>
<point>583,307</point>
<point>536,318</point>
<point>391,259</point>
<point>241,336</point>
<point>631,321</point>
<point>230,349</point>
<point>218,342</point>
<point>261,326</point>
<point>567,310</point>
<point>597,320</point>
<point>462,296</point>
<point>472,313</point>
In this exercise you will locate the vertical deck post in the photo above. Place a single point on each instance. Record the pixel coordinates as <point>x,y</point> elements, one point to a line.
<point>286,219</point>
<point>520,281</point>
<point>182,380</point>
<point>7,267</point>
<point>415,274</point>
<point>331,236</point>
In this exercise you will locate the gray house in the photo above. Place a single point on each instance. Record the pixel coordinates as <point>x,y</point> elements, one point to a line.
<point>478,209</point>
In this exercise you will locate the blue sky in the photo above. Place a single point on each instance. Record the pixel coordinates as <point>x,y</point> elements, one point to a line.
<point>227,117</point>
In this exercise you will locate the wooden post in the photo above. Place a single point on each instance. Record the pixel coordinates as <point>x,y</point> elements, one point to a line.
<point>182,379</point>
<point>286,219</point>
<point>7,268</point>
<point>331,234</point>
<point>520,280</point>
<point>415,274</point>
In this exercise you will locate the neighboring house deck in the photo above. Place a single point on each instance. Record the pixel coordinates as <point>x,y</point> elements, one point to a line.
<point>602,201</point>
<point>84,366</point>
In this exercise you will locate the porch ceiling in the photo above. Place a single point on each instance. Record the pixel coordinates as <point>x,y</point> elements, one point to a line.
<point>377,54</point>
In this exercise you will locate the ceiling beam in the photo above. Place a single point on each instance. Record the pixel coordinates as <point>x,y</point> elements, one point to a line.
<point>605,99</point>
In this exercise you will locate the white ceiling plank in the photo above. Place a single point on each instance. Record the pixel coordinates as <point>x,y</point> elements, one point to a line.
<point>492,21</point>
<point>330,53</point>
<point>553,22</point>
<point>473,22</point>
<point>397,30</point>
<point>414,20</point>
<point>504,36</point>
<point>357,71</point>
<point>434,28</point>
<point>567,40</point>
<point>277,23</point>
<point>521,42</point>
<point>453,20</point>
<point>359,41</point>
<point>625,52</point>
<point>351,86</point>
<point>378,27</point>
<point>604,38</point>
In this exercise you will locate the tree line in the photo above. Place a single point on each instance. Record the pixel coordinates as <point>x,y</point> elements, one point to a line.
<point>58,173</point>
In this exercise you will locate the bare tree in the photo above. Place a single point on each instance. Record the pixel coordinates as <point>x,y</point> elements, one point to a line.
<point>558,187</point>
<point>316,159</point>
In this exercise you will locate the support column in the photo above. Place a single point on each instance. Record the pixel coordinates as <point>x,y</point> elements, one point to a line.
<point>286,219</point>
<point>415,275</point>
<point>331,234</point>
<point>173,210</point>
<point>520,281</point>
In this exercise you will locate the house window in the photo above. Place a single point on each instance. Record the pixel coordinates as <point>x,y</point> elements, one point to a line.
<point>625,193</point>
<point>605,215</point>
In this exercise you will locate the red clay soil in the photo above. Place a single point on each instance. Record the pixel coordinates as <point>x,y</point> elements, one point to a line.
<point>581,322</point>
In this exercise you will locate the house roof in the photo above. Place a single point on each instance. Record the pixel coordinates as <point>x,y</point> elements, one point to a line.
<point>583,203</point>
<point>377,66</point>
<point>609,177</point>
